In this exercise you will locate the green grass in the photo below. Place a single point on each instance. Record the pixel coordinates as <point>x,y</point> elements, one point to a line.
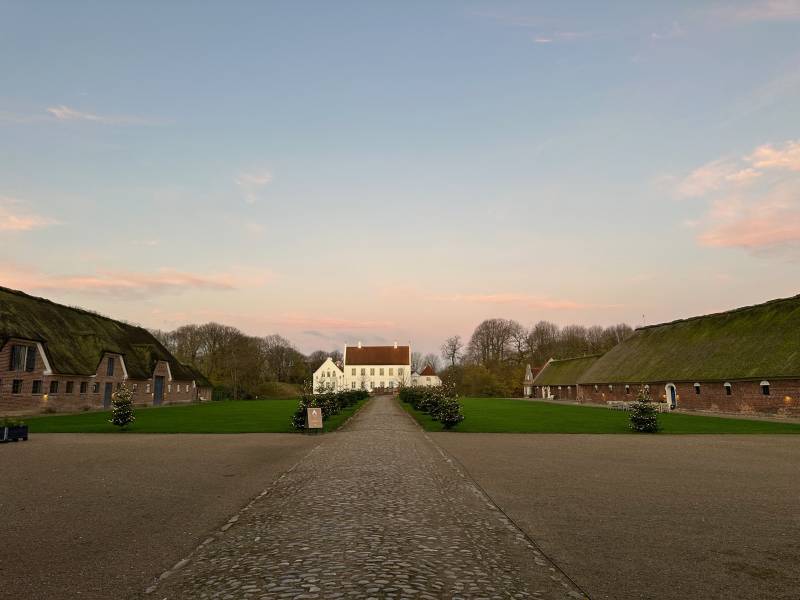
<point>228,416</point>
<point>495,415</point>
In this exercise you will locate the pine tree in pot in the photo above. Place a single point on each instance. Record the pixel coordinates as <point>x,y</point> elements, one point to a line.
<point>122,407</point>
<point>644,416</point>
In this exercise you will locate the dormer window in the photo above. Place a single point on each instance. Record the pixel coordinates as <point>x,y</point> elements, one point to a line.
<point>697,388</point>
<point>110,367</point>
<point>728,389</point>
<point>765,388</point>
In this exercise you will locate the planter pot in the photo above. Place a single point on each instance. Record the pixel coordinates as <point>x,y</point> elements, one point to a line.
<point>13,434</point>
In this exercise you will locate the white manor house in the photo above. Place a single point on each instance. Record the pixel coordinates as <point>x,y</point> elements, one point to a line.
<point>372,368</point>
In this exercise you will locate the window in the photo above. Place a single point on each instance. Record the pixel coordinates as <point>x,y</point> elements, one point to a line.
<point>17,358</point>
<point>84,387</point>
<point>697,388</point>
<point>169,388</point>
<point>95,387</point>
<point>352,371</point>
<point>30,359</point>
<point>37,387</point>
<point>627,389</point>
<point>610,387</point>
<point>353,383</point>
<point>428,378</point>
<point>596,388</point>
<point>370,385</point>
<point>70,387</point>
<point>391,371</point>
<point>728,389</point>
<point>110,368</point>
<point>400,371</point>
<point>372,371</point>
<point>765,388</point>
<point>135,385</point>
<point>363,371</point>
<point>391,383</point>
<point>383,383</point>
<point>54,387</point>
<point>16,386</point>
<point>380,371</point>
<point>147,388</point>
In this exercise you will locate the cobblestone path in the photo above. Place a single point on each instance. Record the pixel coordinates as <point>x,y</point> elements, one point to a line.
<point>375,511</point>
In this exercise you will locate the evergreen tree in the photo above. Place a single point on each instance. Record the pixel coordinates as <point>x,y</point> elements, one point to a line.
<point>644,416</point>
<point>122,407</point>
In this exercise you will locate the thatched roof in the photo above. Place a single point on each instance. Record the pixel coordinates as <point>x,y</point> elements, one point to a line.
<point>565,371</point>
<point>755,342</point>
<point>75,339</point>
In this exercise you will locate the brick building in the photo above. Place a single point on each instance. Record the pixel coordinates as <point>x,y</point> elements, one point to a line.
<point>745,360</point>
<point>54,357</point>
<point>558,379</point>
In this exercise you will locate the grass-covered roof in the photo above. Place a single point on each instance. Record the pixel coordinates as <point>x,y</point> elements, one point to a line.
<point>756,342</point>
<point>565,371</point>
<point>75,339</point>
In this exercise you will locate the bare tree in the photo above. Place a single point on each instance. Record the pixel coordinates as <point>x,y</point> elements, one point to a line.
<point>416,360</point>
<point>490,342</point>
<point>451,349</point>
<point>432,360</point>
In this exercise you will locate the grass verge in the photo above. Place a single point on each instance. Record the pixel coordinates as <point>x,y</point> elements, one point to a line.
<point>227,416</point>
<point>502,415</point>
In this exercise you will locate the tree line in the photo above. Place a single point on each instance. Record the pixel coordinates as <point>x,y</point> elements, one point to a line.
<point>493,361</point>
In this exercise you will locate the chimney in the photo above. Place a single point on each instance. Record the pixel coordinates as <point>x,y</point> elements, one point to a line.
<point>359,343</point>
<point>395,345</point>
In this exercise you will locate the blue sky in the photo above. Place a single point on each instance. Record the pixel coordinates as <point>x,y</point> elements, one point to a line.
<point>379,171</point>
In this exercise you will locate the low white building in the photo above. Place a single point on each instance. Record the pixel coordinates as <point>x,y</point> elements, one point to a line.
<point>366,367</point>
<point>428,378</point>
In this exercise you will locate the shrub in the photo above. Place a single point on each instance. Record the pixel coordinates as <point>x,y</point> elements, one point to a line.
<point>122,407</point>
<point>331,403</point>
<point>643,415</point>
<point>441,403</point>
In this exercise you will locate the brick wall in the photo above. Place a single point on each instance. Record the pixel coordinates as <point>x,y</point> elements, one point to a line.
<point>62,400</point>
<point>746,396</point>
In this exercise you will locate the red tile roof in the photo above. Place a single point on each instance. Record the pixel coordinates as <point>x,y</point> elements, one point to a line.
<point>428,371</point>
<point>377,355</point>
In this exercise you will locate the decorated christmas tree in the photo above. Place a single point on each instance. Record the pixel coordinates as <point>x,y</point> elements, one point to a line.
<point>644,416</point>
<point>122,407</point>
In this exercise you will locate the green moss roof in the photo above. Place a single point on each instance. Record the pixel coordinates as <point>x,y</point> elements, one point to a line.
<point>75,339</point>
<point>756,342</point>
<point>565,371</point>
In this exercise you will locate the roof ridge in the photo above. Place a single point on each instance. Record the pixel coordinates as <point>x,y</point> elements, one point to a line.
<point>79,309</point>
<point>595,355</point>
<point>720,313</point>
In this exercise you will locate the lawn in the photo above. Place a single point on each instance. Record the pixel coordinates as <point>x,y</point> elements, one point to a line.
<point>228,416</point>
<point>498,415</point>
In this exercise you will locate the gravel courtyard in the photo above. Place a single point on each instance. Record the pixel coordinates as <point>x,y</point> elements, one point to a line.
<point>380,509</point>
<point>641,517</point>
<point>100,515</point>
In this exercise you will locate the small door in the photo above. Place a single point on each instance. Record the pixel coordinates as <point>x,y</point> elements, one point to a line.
<point>107,391</point>
<point>158,395</point>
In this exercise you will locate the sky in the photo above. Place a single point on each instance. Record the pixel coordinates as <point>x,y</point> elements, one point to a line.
<point>375,171</point>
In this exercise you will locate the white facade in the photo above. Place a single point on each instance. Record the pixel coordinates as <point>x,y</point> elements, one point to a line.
<point>329,377</point>
<point>425,380</point>
<point>373,367</point>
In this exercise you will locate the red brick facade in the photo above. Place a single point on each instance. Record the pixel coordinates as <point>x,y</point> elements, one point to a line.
<point>38,390</point>
<point>745,397</point>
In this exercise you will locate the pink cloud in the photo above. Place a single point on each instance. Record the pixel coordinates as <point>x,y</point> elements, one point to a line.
<point>126,283</point>
<point>771,157</point>
<point>769,222</point>
<point>65,113</point>
<point>308,322</point>
<point>714,176</point>
<point>766,10</point>
<point>14,218</point>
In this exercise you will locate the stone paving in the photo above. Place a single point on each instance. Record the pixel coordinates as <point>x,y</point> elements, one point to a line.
<point>375,511</point>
